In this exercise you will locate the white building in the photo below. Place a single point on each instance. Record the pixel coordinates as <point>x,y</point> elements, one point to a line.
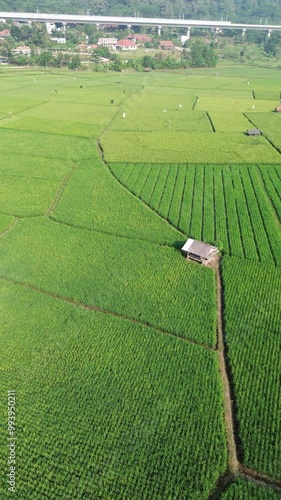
<point>107,42</point>
<point>61,41</point>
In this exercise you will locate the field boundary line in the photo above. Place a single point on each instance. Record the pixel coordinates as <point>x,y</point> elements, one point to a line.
<point>224,481</point>
<point>259,478</point>
<point>119,109</point>
<point>46,133</point>
<point>10,227</point>
<point>266,137</point>
<point>22,110</point>
<point>194,104</point>
<point>60,191</point>
<point>107,233</point>
<point>106,166</point>
<point>89,307</point>
<point>267,195</point>
<point>211,121</point>
<point>225,379</point>
<point>236,469</point>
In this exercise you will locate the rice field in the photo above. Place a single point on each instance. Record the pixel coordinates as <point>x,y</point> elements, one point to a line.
<point>108,335</point>
<point>184,147</point>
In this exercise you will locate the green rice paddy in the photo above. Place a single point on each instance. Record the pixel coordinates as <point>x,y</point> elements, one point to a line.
<point>108,335</point>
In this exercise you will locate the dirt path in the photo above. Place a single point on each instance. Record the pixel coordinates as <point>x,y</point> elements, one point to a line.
<point>228,406</point>
<point>259,478</point>
<point>235,468</point>
<point>16,220</point>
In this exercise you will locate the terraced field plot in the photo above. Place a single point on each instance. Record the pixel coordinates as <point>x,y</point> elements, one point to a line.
<point>237,207</point>
<point>128,397</point>
<point>177,119</point>
<point>129,363</point>
<point>252,329</point>
<point>235,105</point>
<point>132,292</point>
<point>183,147</point>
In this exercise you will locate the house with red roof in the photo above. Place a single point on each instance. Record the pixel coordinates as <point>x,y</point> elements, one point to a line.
<point>4,33</point>
<point>140,38</point>
<point>125,45</point>
<point>166,45</point>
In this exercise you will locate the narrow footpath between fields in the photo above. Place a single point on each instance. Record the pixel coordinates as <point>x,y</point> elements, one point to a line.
<point>235,467</point>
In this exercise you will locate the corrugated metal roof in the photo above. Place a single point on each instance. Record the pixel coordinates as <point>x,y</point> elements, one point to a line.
<point>199,248</point>
<point>253,131</point>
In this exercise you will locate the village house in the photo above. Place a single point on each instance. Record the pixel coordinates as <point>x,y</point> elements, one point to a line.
<point>278,109</point>
<point>199,251</point>
<point>110,43</point>
<point>130,37</point>
<point>4,33</point>
<point>166,45</point>
<point>22,49</point>
<point>143,38</point>
<point>125,45</point>
<point>60,41</point>
<point>83,47</point>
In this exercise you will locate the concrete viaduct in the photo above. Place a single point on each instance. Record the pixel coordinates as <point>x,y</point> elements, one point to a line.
<point>159,23</point>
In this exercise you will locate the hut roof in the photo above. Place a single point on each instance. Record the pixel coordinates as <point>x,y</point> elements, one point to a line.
<point>253,131</point>
<point>203,250</point>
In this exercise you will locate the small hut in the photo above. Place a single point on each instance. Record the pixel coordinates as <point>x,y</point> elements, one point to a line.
<point>254,131</point>
<point>199,251</point>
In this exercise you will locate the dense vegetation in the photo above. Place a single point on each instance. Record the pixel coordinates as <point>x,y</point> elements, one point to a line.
<point>111,407</point>
<point>240,490</point>
<point>234,10</point>
<point>108,335</point>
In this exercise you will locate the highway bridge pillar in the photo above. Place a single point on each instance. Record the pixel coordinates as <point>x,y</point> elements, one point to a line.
<point>159,30</point>
<point>269,33</point>
<point>216,34</point>
<point>188,33</point>
<point>243,32</point>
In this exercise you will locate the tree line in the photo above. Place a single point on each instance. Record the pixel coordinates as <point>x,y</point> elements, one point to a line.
<point>266,11</point>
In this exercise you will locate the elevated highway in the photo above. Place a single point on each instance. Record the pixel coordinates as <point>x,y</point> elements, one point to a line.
<point>159,23</point>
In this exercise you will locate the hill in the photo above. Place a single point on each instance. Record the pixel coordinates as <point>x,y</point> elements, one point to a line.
<point>234,10</point>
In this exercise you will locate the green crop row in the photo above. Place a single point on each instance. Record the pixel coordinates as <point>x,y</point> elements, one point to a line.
<point>225,121</point>
<point>52,126</point>
<point>252,319</point>
<point>182,147</point>
<point>234,206</point>
<point>234,105</point>
<point>242,490</point>
<point>93,199</point>
<point>32,144</point>
<point>106,408</point>
<point>121,275</point>
<point>268,123</point>
<point>168,119</point>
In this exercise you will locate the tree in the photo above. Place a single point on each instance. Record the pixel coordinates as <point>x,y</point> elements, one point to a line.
<point>149,62</point>
<point>46,59</point>
<point>202,55</point>
<point>270,47</point>
<point>75,62</point>
<point>116,65</point>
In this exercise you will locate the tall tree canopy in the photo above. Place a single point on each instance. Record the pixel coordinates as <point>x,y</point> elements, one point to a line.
<point>233,10</point>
